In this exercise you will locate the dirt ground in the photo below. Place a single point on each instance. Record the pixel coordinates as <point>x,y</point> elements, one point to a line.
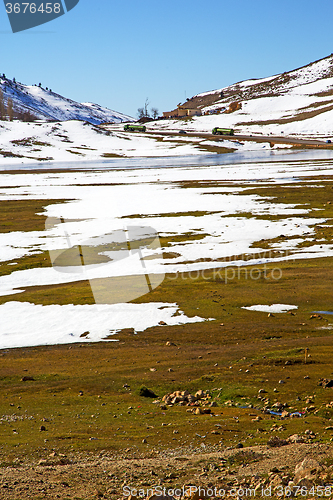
<point>116,476</point>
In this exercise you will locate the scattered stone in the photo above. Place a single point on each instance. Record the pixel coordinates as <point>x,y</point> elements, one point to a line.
<point>270,315</point>
<point>170,343</point>
<point>162,323</point>
<point>325,382</point>
<point>42,428</point>
<point>27,378</point>
<point>144,441</point>
<point>296,438</point>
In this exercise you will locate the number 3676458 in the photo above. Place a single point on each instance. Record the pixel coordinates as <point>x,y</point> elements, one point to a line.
<point>33,8</point>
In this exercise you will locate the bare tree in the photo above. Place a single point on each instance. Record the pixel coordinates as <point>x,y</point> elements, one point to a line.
<point>146,107</point>
<point>10,109</point>
<point>154,113</point>
<point>141,113</point>
<point>2,107</point>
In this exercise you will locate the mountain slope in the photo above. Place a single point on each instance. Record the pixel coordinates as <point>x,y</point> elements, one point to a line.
<point>47,105</point>
<point>294,102</point>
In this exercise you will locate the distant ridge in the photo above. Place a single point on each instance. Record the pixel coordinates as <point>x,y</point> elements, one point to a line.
<point>294,102</point>
<point>43,104</point>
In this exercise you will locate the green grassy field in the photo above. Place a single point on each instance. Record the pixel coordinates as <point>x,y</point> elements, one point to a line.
<point>87,395</point>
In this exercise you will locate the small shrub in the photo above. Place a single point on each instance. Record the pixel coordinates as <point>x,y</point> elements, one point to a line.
<point>147,393</point>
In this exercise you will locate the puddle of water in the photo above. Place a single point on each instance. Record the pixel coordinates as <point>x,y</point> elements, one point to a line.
<point>323,312</point>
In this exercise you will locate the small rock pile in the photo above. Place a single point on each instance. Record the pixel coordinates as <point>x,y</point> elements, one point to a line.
<point>184,398</point>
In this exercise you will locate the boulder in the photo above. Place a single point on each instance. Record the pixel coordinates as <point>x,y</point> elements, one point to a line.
<point>307,469</point>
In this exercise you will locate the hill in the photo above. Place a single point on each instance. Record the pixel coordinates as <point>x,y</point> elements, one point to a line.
<point>294,102</point>
<point>32,101</point>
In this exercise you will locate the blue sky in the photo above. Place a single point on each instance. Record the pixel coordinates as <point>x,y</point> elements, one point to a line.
<point>119,52</point>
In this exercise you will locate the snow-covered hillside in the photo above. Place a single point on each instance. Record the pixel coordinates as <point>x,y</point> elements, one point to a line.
<point>75,140</point>
<point>297,102</point>
<point>44,104</point>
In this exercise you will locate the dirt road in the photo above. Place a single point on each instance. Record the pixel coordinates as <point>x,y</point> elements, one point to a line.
<point>310,143</point>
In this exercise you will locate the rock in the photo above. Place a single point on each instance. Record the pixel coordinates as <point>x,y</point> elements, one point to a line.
<point>199,411</point>
<point>296,438</point>
<point>200,394</point>
<point>170,343</point>
<point>307,469</point>
<point>316,316</point>
<point>162,323</point>
<point>26,378</point>
<point>213,404</point>
<point>42,428</point>
<point>325,382</point>
<point>262,391</point>
<point>44,463</point>
<point>176,400</point>
<point>240,445</point>
<point>144,440</point>
<point>310,433</point>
